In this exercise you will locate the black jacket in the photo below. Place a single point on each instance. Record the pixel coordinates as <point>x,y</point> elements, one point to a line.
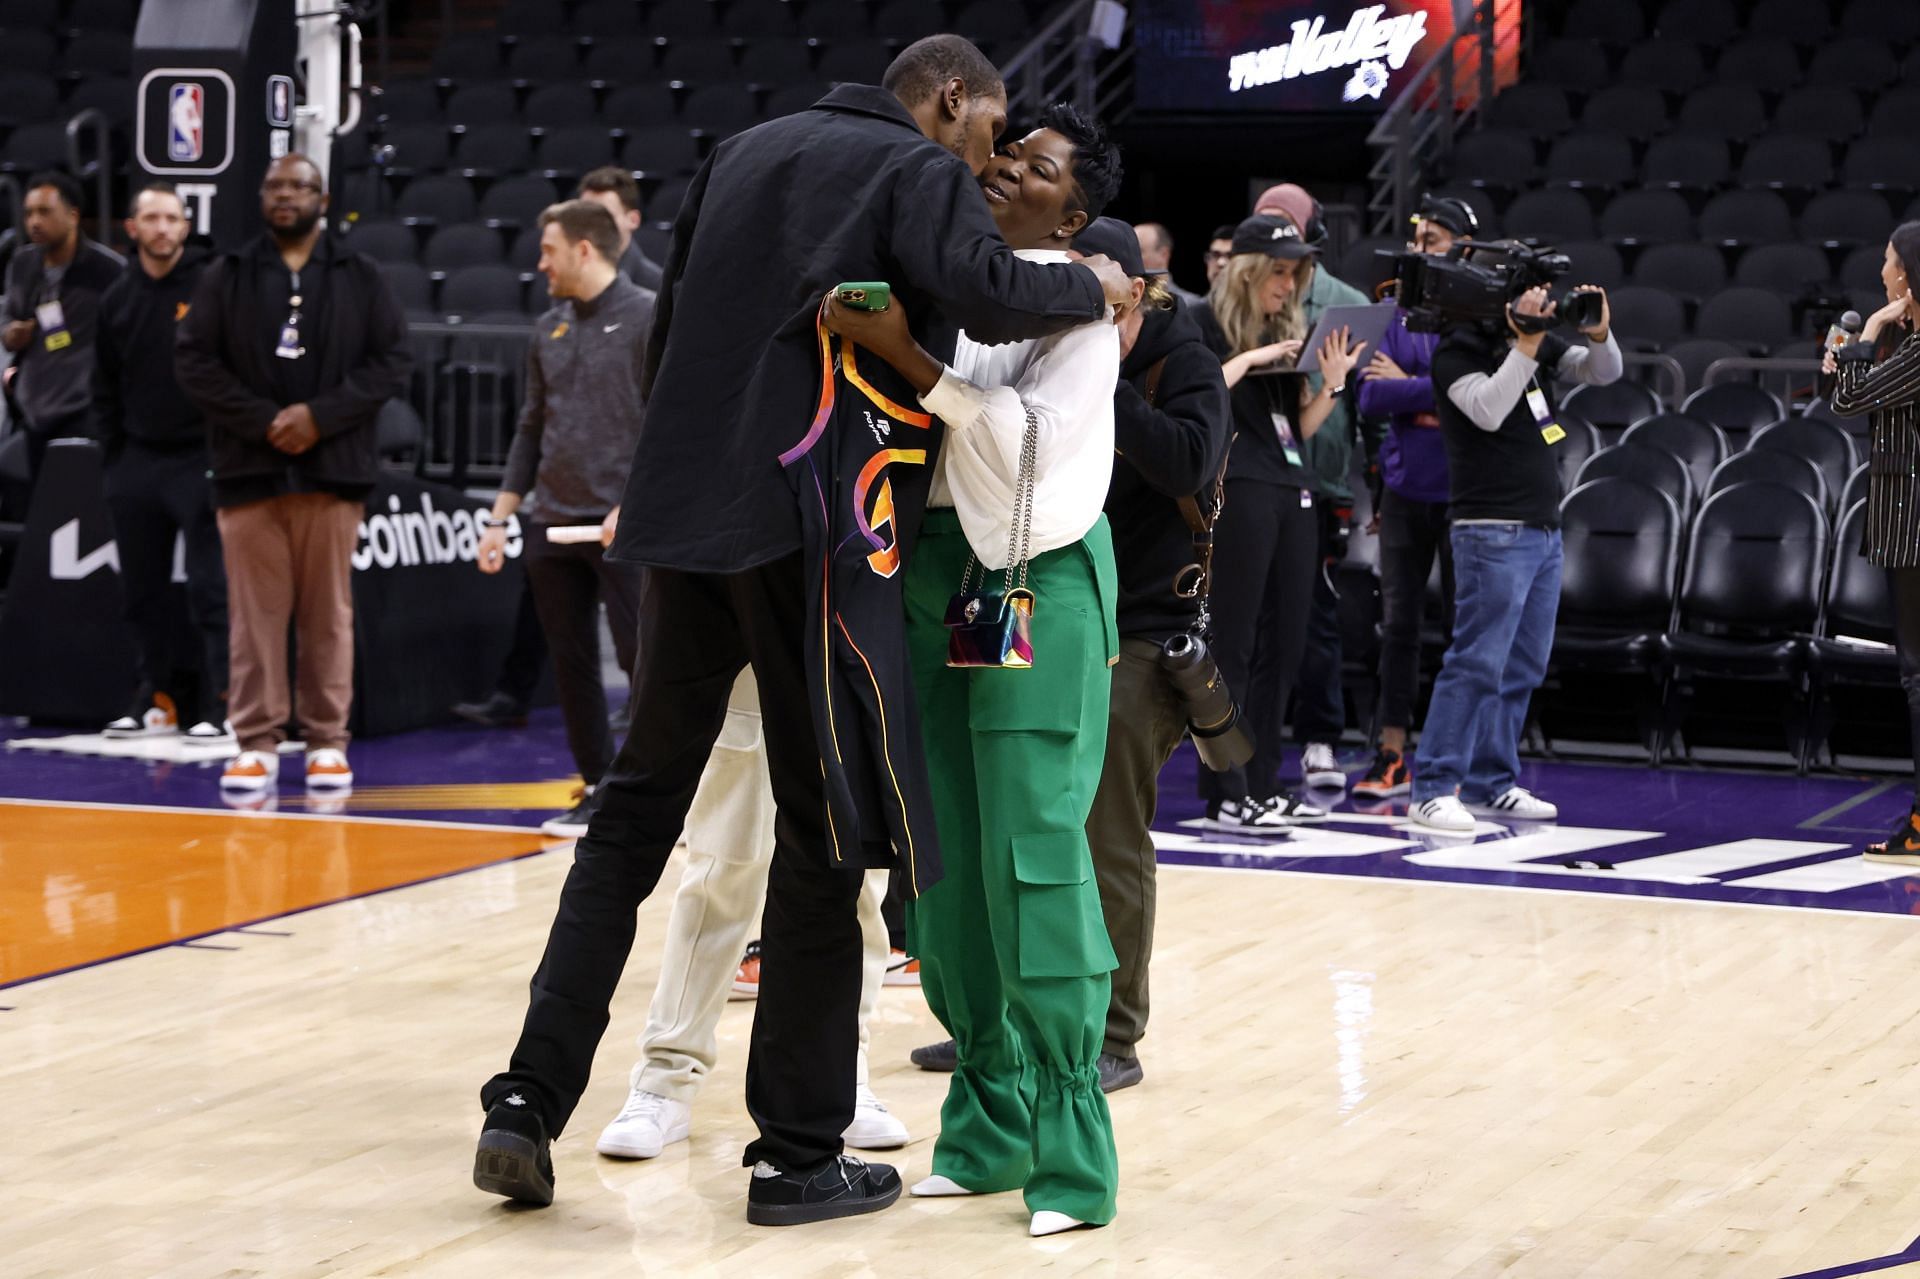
<point>224,353</point>
<point>1258,453</point>
<point>1170,449</point>
<point>847,190</point>
<point>54,388</point>
<point>136,396</point>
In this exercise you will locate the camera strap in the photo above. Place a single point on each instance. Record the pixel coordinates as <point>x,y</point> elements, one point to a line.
<point>1199,574</point>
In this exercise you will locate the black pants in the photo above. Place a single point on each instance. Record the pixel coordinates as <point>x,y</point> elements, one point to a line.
<point>1145,722</point>
<point>1411,534</point>
<point>1905,583</point>
<point>156,495</point>
<point>520,669</point>
<point>1319,702</point>
<point>568,582</point>
<point>1265,545</point>
<point>697,631</point>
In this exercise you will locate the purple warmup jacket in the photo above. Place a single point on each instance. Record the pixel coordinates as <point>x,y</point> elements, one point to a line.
<point>1413,460</point>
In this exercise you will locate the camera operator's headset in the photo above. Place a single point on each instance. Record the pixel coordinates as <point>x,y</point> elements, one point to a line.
<point>1453,205</point>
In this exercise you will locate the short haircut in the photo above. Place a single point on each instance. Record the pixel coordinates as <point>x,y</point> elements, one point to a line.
<point>159,186</point>
<point>1156,233</point>
<point>612,178</point>
<point>65,184</point>
<point>584,220</point>
<point>1223,232</point>
<point>1096,160</point>
<point>923,68</point>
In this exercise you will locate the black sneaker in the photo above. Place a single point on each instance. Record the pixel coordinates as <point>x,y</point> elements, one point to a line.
<point>1388,777</point>
<point>1118,1072</point>
<point>842,1187</point>
<point>513,1159</point>
<point>1901,846</point>
<point>497,711</point>
<point>943,1056</point>
<point>573,823</point>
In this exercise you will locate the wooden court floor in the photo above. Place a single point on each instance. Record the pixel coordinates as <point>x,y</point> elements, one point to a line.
<point>1345,1077</point>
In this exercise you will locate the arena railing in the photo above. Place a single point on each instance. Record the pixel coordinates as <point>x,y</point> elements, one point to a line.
<point>1662,374</point>
<point>93,124</point>
<point>1791,378</point>
<point>467,385</point>
<point>1082,56</point>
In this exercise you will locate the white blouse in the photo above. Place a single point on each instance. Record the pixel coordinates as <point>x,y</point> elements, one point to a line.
<point>1068,381</point>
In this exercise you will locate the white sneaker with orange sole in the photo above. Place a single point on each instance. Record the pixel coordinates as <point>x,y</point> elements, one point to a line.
<point>158,720</point>
<point>327,768</point>
<point>902,970</point>
<point>746,979</point>
<point>251,771</point>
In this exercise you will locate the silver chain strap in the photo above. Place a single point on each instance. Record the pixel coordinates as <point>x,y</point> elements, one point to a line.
<point>1020,530</point>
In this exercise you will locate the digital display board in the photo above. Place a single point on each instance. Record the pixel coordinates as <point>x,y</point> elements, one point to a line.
<point>1285,55</point>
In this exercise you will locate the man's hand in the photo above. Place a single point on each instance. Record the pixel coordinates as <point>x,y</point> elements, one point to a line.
<point>1531,303</point>
<point>1598,332</point>
<point>1382,367</point>
<point>293,430</point>
<point>491,555</point>
<point>1114,281</point>
<point>609,526</point>
<point>17,334</point>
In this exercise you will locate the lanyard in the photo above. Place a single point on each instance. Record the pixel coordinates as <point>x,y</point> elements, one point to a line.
<point>289,347</point>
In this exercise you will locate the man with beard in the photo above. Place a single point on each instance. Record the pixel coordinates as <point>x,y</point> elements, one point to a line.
<point>290,348</point>
<point>52,309</point>
<point>157,488</point>
<point>873,183</point>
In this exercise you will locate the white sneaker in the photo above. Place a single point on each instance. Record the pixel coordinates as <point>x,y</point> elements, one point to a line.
<point>1445,812</point>
<point>157,720</point>
<point>873,1126</point>
<point>208,733</point>
<point>1293,810</point>
<point>327,769</point>
<point>1249,817</point>
<point>251,771</point>
<point>902,970</point>
<point>648,1124</point>
<point>1318,767</point>
<point>1521,804</point>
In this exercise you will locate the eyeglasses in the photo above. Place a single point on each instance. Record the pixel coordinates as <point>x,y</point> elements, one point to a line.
<point>1218,255</point>
<point>274,186</point>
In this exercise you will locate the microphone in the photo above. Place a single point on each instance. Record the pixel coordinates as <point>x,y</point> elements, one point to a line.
<point>1843,330</point>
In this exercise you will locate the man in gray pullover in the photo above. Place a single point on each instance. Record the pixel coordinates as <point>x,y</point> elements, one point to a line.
<point>567,467</point>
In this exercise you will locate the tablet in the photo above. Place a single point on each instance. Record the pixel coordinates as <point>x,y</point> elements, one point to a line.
<point>568,534</point>
<point>1366,324</point>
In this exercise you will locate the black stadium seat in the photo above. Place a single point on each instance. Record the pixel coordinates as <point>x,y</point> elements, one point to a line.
<point>1859,606</point>
<point>1550,217</point>
<point>1883,164</point>
<point>1758,319</point>
<point>110,95</point>
<point>492,103</point>
<point>517,201</point>
<point>406,100</point>
<point>32,13</point>
<point>1822,111</point>
<point>1788,162</point>
<point>1582,442</point>
<point>831,20</point>
<point>417,148</point>
<point>1854,61</point>
<point>487,149</point>
<point>682,19</point>
<point>472,289</point>
<point>384,240</point>
<point>1620,543</point>
<point>1893,112</point>
<point>544,59</point>
<point>1708,21</point>
<point>661,150</point>
<point>1594,262</point>
<point>1580,66</point>
<point>1671,66</point>
<point>1618,404</point>
<point>1538,110</point>
<point>859,61</point>
<point>1734,111</point>
<point>569,152</point>
<point>1646,217</point>
<point>1765,62</point>
<point>1735,406</point>
<point>1749,592</point>
<point>599,18</point>
<point>1591,159</point>
<point>1794,21</point>
<point>23,49</point>
<point>1790,269</point>
<point>637,104</point>
<point>1877,20</point>
<point>1635,111</point>
<point>698,62</point>
<point>721,106</point>
<point>1841,219</point>
<point>770,20</point>
<point>1738,218</point>
<point>1687,162</point>
<point>1856,489</point>
<point>617,60</point>
<point>469,244</point>
<point>439,200</point>
<point>26,96</point>
<point>35,146</point>
<point>904,21</point>
<point>524,256</point>
<point>1503,158</point>
<point>775,62</point>
<point>1700,445</point>
<point>1607,21</point>
<point>1772,466</point>
<point>1861,269</point>
<point>555,106</point>
<point>1824,444</point>
<point>99,52</point>
<point>1696,355</point>
<point>468,55</point>
<point>1654,467</point>
<point>411,285</point>
<point>1647,319</point>
<point>1694,271</point>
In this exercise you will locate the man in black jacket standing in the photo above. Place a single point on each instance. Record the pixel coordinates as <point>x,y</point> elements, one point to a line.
<point>157,487</point>
<point>1171,429</point>
<point>290,348</point>
<point>872,183</point>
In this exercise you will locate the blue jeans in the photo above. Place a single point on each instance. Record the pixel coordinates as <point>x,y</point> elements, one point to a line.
<point>1507,590</point>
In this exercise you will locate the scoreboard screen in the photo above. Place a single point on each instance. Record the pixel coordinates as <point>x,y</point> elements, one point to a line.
<point>1245,56</point>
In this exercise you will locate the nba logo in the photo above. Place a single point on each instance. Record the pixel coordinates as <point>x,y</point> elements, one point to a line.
<point>186,122</point>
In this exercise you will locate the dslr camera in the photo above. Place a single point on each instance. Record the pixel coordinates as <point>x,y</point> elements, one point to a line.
<point>1475,282</point>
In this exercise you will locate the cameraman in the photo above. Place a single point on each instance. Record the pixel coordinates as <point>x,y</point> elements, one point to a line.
<point>1505,512</point>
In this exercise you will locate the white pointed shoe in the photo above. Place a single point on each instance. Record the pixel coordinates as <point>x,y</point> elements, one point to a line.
<point>874,1126</point>
<point>645,1126</point>
<point>1052,1223</point>
<point>938,1187</point>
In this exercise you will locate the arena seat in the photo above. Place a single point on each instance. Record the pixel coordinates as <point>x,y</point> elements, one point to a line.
<point>438,200</point>
<point>1550,217</point>
<point>1788,162</point>
<point>1773,466</point>
<point>615,60</point>
<point>1646,217</point>
<point>1736,219</point>
<point>1578,65</point>
<point>1582,442</point>
<point>566,153</point>
<point>485,150</point>
<point>26,96</point>
<point>1645,464</point>
<point>1591,160</point>
<point>1707,21</point>
<point>1755,318</point>
<point>26,49</point>
<point>683,19</point>
<point>468,55</point>
<point>1700,445</point>
<point>1694,271</point>
<point>1824,111</point>
<point>1732,111</point>
<point>1621,551</point>
<point>1618,404</point>
<point>1765,62</point>
<point>761,20</point>
<point>1889,164</point>
<point>1793,268</point>
<point>544,59</point>
<point>1820,442</point>
<point>490,287</point>
<point>1876,20</point>
<point>517,201</point>
<point>1537,110</point>
<point>410,284</point>
<point>1856,61</point>
<point>1842,219</point>
<point>468,244</point>
<point>600,18</point>
<point>1647,318</point>
<point>1696,355</point>
<point>1735,406</point>
<point>1859,606</point>
<point>384,240</point>
<point>773,63</point>
<point>1594,262</point>
<point>1856,489</point>
<point>1503,158</point>
<point>555,106</point>
<point>1606,21</point>
<point>1637,111</point>
<point>1669,65</point>
<point>493,102</point>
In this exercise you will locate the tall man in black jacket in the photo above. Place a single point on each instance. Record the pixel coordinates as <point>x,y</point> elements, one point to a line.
<point>157,486</point>
<point>290,348</point>
<point>1171,429</point>
<point>870,184</point>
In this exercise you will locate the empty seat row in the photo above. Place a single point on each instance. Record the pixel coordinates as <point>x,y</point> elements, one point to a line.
<point>104,52</point>
<point>901,20</point>
<point>1608,161</point>
<point>563,105</point>
<point>1802,23</point>
<point>447,199</point>
<point>73,15</point>
<point>1734,112</point>
<point>502,149</point>
<point>765,59</point>
<point>1732,219</point>
<point>490,292</point>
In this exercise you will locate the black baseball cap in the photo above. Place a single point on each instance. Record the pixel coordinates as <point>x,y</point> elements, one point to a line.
<point>1272,235</point>
<point>1114,238</point>
<point>1451,212</point>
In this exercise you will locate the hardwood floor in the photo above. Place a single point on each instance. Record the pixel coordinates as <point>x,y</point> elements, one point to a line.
<point>1345,1077</point>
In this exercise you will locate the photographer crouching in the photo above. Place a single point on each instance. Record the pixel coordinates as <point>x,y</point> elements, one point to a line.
<point>1504,507</point>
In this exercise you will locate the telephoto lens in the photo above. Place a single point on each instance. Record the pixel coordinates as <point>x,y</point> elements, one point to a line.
<point>1218,735</point>
<point>1580,310</point>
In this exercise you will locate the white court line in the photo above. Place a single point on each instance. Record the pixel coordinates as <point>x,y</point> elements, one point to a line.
<point>258,815</point>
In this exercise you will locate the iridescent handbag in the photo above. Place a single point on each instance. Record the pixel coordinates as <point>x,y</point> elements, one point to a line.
<point>988,627</point>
